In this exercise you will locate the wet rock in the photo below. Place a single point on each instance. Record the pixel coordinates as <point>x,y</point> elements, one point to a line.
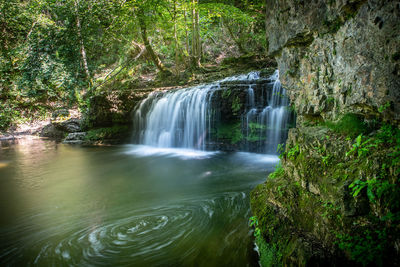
<point>51,131</point>
<point>75,138</point>
<point>69,126</point>
<point>58,130</point>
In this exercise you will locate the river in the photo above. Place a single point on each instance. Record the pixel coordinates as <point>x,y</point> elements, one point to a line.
<point>127,205</point>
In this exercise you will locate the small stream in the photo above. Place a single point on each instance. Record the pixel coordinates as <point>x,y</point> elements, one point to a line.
<point>128,205</point>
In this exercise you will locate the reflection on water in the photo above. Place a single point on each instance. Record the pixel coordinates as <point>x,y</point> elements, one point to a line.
<point>125,205</point>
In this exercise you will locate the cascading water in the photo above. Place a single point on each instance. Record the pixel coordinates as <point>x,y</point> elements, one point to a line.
<point>268,124</point>
<point>176,119</point>
<point>187,118</point>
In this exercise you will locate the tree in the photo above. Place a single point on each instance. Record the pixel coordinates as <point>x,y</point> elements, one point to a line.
<point>196,44</point>
<point>79,31</point>
<point>143,28</point>
<point>51,51</point>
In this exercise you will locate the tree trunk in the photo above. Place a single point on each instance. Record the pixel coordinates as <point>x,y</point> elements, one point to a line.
<point>187,35</point>
<point>143,29</point>
<point>266,27</point>
<point>176,40</point>
<point>199,46</point>
<point>83,50</point>
<point>196,52</point>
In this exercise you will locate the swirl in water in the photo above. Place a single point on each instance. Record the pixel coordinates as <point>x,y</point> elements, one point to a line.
<point>163,234</point>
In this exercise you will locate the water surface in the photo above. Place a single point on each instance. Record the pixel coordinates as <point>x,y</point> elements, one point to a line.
<point>126,205</point>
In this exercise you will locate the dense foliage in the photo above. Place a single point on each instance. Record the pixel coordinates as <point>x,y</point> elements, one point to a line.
<point>54,52</point>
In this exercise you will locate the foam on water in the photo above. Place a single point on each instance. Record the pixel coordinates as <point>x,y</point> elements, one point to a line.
<point>183,153</point>
<point>257,158</point>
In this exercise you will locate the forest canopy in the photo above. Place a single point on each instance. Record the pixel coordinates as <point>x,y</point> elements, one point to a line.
<point>59,51</point>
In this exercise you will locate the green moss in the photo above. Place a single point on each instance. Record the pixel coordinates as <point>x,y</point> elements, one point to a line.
<point>236,105</point>
<point>293,152</point>
<point>334,25</point>
<point>279,172</point>
<point>255,130</point>
<point>269,254</point>
<point>350,9</point>
<point>349,125</point>
<point>277,247</point>
<point>384,107</point>
<point>301,39</point>
<point>230,131</point>
<point>115,132</point>
<point>350,202</point>
<point>330,100</point>
<point>256,126</point>
<point>226,93</point>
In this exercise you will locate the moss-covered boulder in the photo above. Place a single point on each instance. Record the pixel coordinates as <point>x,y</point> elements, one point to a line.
<point>59,129</point>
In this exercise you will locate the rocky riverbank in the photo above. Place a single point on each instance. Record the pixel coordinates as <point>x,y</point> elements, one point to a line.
<point>335,198</point>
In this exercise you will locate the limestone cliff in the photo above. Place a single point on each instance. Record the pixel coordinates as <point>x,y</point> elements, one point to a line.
<point>335,200</point>
<point>338,56</point>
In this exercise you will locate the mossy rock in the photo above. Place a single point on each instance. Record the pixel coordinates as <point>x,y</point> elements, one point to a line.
<point>114,134</point>
<point>328,206</point>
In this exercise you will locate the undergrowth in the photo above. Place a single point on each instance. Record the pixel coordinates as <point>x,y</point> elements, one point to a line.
<point>367,168</point>
<point>269,253</point>
<point>372,242</point>
<point>350,125</point>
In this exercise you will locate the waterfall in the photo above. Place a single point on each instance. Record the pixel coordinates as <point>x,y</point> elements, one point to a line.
<point>176,119</point>
<point>274,117</point>
<point>187,118</point>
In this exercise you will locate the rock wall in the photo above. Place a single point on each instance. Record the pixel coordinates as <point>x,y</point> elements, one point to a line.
<point>338,56</point>
<point>330,202</point>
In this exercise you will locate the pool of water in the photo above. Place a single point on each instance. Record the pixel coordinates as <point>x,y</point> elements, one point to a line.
<point>126,205</point>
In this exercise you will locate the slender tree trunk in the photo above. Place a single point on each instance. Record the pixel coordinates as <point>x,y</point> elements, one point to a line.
<point>266,27</point>
<point>196,52</point>
<point>143,29</point>
<point>30,31</point>
<point>186,33</point>
<point>83,50</point>
<point>199,46</point>
<point>194,49</point>
<point>176,40</point>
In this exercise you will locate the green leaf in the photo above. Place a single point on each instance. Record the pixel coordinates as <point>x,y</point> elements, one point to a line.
<point>370,194</point>
<point>358,140</point>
